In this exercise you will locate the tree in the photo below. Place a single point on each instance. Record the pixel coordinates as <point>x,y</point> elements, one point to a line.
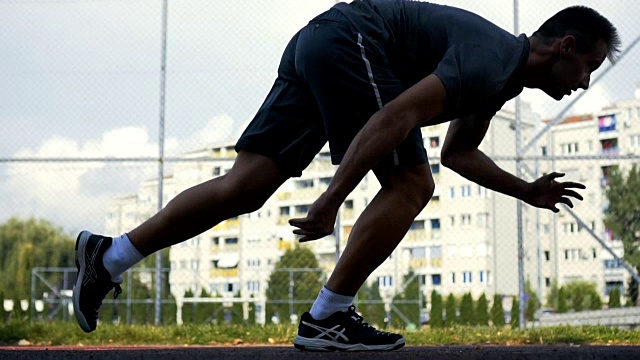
<point>614,298</point>
<point>482,311</point>
<point>450,311</point>
<point>466,309</point>
<point>632,292</point>
<point>582,295</point>
<point>370,304</point>
<point>622,216</point>
<point>497,311</point>
<point>563,301</point>
<point>26,244</point>
<point>515,313</point>
<point>305,284</point>
<point>435,313</point>
<point>533,303</point>
<point>552,295</point>
<point>406,302</point>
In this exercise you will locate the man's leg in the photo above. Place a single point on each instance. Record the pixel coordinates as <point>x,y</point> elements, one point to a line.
<point>382,225</point>
<point>377,232</point>
<point>101,260</point>
<point>201,207</point>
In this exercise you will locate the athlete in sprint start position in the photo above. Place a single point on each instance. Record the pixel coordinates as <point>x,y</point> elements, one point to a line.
<point>365,76</point>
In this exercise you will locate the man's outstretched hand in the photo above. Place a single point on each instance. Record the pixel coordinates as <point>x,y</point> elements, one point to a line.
<point>546,192</point>
<point>319,222</point>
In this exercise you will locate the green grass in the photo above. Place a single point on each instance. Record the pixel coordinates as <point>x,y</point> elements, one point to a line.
<point>65,333</point>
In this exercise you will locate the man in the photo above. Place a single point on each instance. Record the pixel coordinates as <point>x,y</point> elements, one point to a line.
<point>365,76</point>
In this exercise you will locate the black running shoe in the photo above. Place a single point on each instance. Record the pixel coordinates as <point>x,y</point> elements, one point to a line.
<point>94,281</point>
<point>343,331</point>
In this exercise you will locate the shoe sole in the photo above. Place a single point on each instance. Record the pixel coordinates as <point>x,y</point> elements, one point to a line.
<point>81,244</point>
<point>306,344</point>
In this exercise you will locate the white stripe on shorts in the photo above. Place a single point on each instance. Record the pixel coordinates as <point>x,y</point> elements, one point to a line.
<point>375,87</point>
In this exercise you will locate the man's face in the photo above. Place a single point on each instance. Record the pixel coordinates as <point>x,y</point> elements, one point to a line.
<point>572,70</point>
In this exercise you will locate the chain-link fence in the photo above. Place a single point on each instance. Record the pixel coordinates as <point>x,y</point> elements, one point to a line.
<point>109,109</point>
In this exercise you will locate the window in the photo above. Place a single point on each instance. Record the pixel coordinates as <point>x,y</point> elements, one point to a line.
<point>303,184</point>
<point>452,192</point>
<point>435,224</point>
<point>482,192</point>
<point>229,287</point>
<point>253,286</point>
<point>465,191</point>
<point>547,282</point>
<point>417,225</point>
<point>453,278</point>
<point>483,220</point>
<point>436,279</point>
<point>435,252</point>
<point>303,209</point>
<point>385,281</point>
<point>634,141</point>
<point>612,264</point>
<point>284,210</point>
<point>435,168</point>
<point>481,277</point>
<point>347,204</point>
<point>466,219</point>
<point>569,148</point>
<point>452,220</point>
<point>467,277</point>
<point>544,151</point>
<point>547,255</point>
<point>231,241</point>
<point>434,142</point>
<point>325,180</point>
<point>216,171</point>
<point>418,253</point>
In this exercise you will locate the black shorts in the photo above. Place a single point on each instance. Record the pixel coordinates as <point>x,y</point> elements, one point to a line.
<point>331,80</point>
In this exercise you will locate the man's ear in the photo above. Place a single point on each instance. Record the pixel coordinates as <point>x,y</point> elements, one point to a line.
<point>567,45</point>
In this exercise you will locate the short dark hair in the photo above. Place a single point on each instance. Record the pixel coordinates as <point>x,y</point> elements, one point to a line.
<point>586,25</point>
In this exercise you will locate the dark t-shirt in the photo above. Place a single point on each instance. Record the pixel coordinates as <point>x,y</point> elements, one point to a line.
<point>478,62</point>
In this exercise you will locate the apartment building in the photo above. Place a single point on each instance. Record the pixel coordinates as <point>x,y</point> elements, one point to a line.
<point>604,140</point>
<point>465,240</point>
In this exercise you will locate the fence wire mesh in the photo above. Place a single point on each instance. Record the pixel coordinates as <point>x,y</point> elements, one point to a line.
<point>80,106</point>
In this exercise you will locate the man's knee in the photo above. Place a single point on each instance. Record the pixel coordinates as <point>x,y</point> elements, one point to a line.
<point>422,192</point>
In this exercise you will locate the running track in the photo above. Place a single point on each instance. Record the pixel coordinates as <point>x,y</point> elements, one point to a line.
<point>288,352</point>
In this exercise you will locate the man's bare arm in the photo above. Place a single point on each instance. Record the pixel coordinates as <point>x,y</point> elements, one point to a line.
<point>384,131</point>
<point>461,154</point>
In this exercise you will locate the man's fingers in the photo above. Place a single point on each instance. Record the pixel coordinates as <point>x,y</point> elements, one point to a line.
<point>572,193</point>
<point>567,185</point>
<point>310,238</point>
<point>298,221</point>
<point>555,175</point>
<point>567,202</point>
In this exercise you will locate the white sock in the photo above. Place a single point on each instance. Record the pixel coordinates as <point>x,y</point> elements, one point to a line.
<point>328,303</point>
<point>120,256</point>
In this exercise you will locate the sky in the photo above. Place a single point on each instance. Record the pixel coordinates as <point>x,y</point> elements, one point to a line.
<point>81,78</point>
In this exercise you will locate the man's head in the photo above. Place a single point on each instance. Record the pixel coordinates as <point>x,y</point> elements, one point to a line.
<point>579,39</point>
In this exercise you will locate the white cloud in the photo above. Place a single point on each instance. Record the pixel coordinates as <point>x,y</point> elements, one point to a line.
<point>75,195</point>
<point>218,130</point>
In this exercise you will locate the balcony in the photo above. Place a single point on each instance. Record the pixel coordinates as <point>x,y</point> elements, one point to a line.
<point>416,235</point>
<point>231,224</point>
<point>225,273</point>
<point>423,263</point>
